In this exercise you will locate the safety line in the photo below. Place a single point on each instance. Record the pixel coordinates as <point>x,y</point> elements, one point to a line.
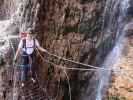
<point>69,68</point>
<point>76,62</point>
<point>74,68</point>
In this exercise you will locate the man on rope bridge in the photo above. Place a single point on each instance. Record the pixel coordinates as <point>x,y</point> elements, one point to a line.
<point>26,49</point>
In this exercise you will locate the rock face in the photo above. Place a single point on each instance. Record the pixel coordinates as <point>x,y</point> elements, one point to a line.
<point>121,87</point>
<point>72,29</point>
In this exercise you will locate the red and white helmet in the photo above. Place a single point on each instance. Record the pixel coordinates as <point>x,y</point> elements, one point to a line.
<point>23,35</point>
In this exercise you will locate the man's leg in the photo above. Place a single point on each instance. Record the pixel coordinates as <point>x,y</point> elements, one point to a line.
<point>32,68</point>
<point>23,73</point>
<point>22,76</point>
<point>33,71</point>
<point>24,69</point>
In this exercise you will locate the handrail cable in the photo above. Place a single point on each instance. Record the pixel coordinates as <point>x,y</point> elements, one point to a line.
<point>76,62</point>
<point>69,68</point>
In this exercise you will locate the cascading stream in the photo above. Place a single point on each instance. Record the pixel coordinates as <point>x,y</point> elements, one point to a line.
<point>113,56</point>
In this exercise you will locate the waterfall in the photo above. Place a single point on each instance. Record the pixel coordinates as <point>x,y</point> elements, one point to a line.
<point>104,76</point>
<point>108,27</point>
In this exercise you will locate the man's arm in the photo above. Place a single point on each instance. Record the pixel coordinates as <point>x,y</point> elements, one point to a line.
<point>39,47</point>
<point>17,53</point>
<point>18,50</point>
<point>42,49</point>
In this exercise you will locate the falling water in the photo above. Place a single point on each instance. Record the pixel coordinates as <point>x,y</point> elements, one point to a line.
<point>104,75</point>
<point>113,56</point>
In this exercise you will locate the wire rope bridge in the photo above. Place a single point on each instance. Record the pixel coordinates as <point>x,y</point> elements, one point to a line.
<point>38,90</point>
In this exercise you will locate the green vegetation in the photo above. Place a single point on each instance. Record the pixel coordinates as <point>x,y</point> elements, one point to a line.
<point>70,29</point>
<point>86,1</point>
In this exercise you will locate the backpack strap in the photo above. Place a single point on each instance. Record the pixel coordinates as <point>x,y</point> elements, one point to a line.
<point>24,44</point>
<point>34,45</point>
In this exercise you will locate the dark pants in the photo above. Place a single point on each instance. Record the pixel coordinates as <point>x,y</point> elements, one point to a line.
<point>27,66</point>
